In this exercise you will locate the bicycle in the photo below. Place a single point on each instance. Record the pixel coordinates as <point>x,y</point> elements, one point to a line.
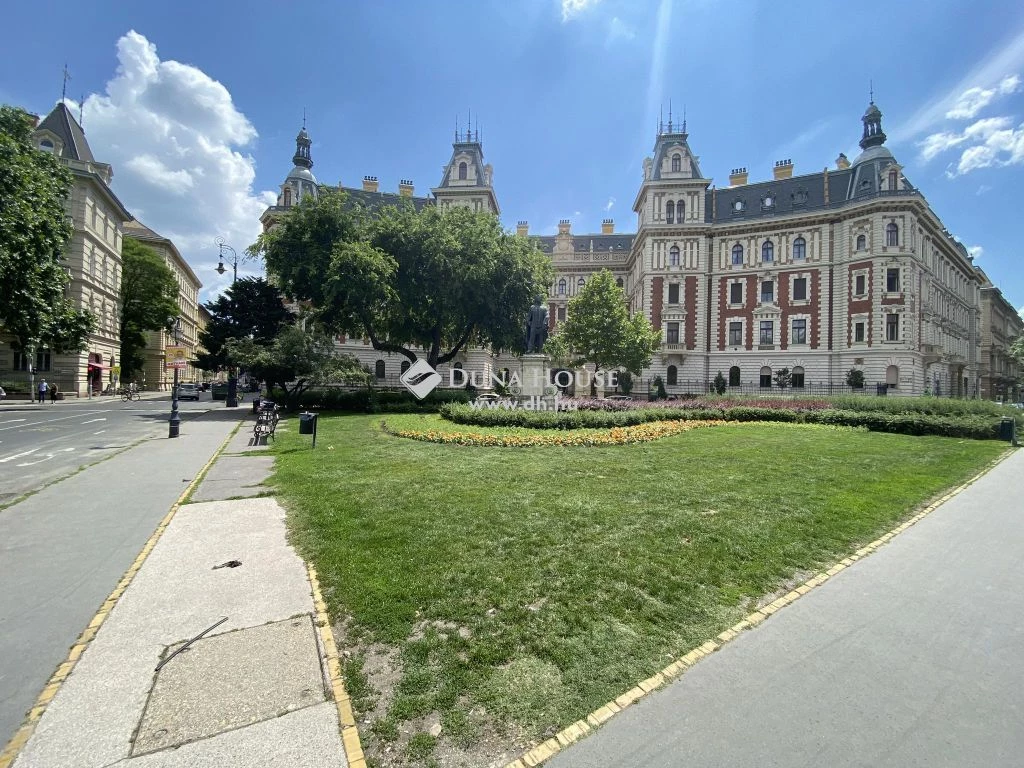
<point>129,394</point>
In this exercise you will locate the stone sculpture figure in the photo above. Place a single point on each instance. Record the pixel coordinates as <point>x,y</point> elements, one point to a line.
<point>536,326</point>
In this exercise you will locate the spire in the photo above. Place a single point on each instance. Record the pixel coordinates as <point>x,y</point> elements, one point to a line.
<point>873,136</point>
<point>684,118</point>
<point>302,156</point>
<point>670,115</point>
<point>64,88</point>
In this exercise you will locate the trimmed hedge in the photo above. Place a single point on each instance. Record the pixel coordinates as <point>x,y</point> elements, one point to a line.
<point>374,401</point>
<point>976,427</point>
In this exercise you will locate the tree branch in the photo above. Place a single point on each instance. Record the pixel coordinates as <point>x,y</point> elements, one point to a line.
<point>387,346</point>
<point>458,347</point>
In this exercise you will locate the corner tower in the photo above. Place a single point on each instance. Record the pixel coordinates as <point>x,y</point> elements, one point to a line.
<point>300,181</point>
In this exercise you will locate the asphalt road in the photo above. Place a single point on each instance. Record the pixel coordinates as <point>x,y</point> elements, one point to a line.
<point>43,443</point>
<point>64,548</point>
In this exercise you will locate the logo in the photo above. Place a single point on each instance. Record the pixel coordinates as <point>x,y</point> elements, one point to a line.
<point>420,379</point>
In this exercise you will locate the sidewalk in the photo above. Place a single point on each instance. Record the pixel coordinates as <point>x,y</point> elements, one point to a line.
<point>909,657</point>
<point>258,689</point>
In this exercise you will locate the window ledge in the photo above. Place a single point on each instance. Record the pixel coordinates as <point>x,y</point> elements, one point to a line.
<point>765,346</point>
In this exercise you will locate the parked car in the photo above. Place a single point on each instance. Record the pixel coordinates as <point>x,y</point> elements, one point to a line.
<point>3,393</point>
<point>188,391</point>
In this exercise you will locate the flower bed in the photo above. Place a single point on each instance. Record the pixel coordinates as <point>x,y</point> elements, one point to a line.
<point>641,433</point>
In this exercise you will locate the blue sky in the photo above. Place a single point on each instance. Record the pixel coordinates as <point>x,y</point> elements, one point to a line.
<point>197,105</point>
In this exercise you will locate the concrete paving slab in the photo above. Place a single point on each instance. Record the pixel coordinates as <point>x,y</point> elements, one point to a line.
<point>308,738</point>
<point>235,477</point>
<point>244,441</point>
<point>230,681</point>
<point>176,595</point>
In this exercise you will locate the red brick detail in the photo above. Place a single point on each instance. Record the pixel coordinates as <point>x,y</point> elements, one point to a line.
<point>726,313</point>
<point>690,289</point>
<point>552,311</point>
<point>657,287</point>
<point>812,308</point>
<point>859,306</point>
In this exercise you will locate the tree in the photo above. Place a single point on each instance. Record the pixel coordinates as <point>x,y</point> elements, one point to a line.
<point>1017,349</point>
<point>149,296</point>
<point>294,361</point>
<point>599,329</point>
<point>436,280</point>
<point>719,384</point>
<point>251,308</point>
<point>34,228</point>
<point>783,378</point>
<point>855,378</point>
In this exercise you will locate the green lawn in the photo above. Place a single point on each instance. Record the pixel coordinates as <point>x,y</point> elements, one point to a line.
<point>573,573</point>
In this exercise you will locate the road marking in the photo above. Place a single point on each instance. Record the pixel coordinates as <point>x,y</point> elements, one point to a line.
<point>90,421</point>
<point>11,421</point>
<point>100,432</point>
<point>60,418</point>
<point>17,456</point>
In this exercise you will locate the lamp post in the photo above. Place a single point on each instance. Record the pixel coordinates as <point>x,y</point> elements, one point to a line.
<point>175,422</point>
<point>232,398</point>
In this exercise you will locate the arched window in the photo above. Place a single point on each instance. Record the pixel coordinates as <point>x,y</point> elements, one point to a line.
<point>862,242</point>
<point>737,254</point>
<point>580,283</point>
<point>766,376</point>
<point>798,377</point>
<point>672,375</point>
<point>378,369</point>
<point>734,376</point>
<point>799,249</point>
<point>405,366</point>
<point>46,145</point>
<point>680,211</point>
<point>892,234</point>
<point>892,376</point>
<point>619,282</point>
<point>767,251</point>
<point>677,163</point>
<point>670,212</point>
<point>673,256</point>
<point>463,170</point>
<point>561,287</point>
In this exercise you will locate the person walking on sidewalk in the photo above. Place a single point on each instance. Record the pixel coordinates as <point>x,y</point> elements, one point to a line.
<point>42,391</point>
<point>53,393</point>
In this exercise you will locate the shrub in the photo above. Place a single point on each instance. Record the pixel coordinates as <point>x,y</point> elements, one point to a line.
<point>855,378</point>
<point>625,379</point>
<point>374,401</point>
<point>719,384</point>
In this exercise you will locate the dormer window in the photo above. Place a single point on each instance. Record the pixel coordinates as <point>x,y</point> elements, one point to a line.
<point>463,170</point>
<point>677,163</point>
<point>46,145</point>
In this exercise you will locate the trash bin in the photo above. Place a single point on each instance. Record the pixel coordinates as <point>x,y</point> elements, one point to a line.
<point>1007,429</point>
<point>307,423</point>
<point>256,404</point>
<point>882,389</point>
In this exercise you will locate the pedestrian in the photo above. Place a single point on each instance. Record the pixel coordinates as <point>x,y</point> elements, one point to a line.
<point>42,391</point>
<point>53,393</point>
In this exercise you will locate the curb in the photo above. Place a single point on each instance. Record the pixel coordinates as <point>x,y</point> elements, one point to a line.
<point>567,736</point>
<point>24,733</point>
<point>346,717</point>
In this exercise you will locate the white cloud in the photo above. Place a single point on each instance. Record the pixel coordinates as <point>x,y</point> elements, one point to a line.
<point>619,30</point>
<point>173,136</point>
<point>973,100</point>
<point>573,8</point>
<point>983,189</point>
<point>938,143</point>
<point>976,251</point>
<point>609,204</point>
<point>1000,145</point>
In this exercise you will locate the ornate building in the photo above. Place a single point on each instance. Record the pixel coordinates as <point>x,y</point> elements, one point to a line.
<point>1000,325</point>
<point>93,259</point>
<point>845,268</point>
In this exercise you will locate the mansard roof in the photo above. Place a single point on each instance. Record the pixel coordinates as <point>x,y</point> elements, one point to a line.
<point>620,243</point>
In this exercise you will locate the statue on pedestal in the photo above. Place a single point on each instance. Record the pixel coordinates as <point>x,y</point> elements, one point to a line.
<point>536,327</point>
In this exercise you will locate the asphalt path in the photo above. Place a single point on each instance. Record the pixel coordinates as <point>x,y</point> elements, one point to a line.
<point>43,443</point>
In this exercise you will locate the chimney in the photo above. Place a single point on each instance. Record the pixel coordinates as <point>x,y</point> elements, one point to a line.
<point>738,177</point>
<point>783,169</point>
<point>608,227</point>
<point>522,229</point>
<point>369,183</point>
<point>563,227</point>
<point>842,163</point>
<point>405,188</point>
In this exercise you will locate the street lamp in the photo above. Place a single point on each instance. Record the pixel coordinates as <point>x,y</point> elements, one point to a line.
<point>174,323</point>
<point>232,399</point>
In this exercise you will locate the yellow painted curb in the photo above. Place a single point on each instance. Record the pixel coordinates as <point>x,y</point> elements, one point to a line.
<point>24,733</point>
<point>346,717</point>
<point>598,717</point>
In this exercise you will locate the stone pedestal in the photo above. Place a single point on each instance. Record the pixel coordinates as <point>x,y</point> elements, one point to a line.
<point>534,376</point>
